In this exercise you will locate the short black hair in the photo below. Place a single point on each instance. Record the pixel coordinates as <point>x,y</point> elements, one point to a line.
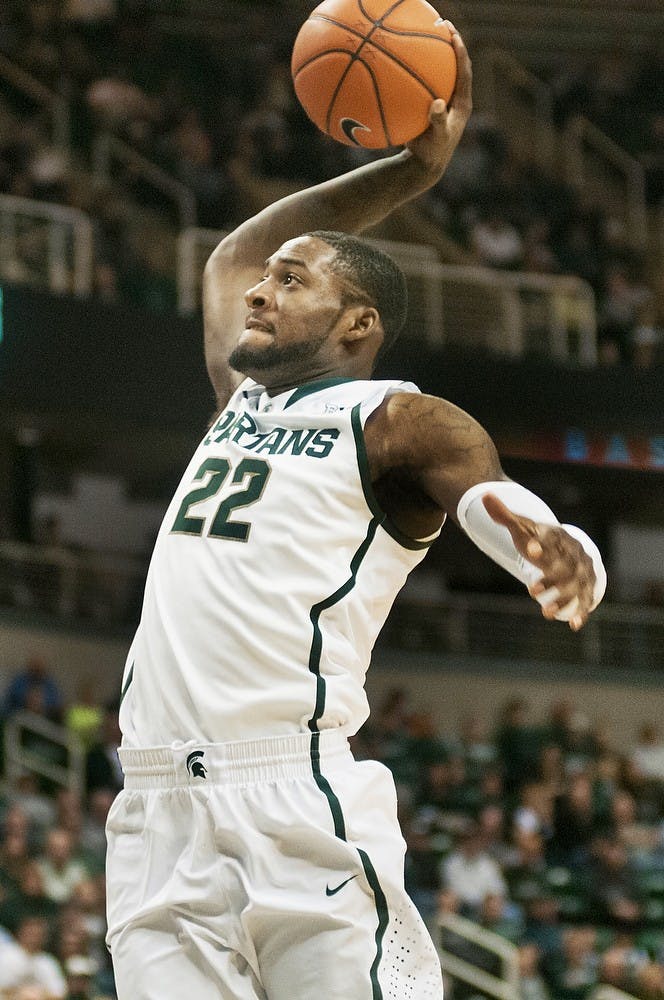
<point>372,277</point>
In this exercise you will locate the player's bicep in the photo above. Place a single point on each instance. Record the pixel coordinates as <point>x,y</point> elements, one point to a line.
<point>445,450</point>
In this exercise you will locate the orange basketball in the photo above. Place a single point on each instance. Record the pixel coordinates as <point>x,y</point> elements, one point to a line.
<point>366,71</point>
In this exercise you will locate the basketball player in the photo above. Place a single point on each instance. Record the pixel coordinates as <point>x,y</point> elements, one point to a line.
<point>250,857</point>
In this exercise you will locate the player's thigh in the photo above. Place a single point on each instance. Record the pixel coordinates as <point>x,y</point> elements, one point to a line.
<point>151,964</point>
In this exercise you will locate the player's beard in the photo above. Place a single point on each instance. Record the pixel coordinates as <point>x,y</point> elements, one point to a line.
<point>245,358</point>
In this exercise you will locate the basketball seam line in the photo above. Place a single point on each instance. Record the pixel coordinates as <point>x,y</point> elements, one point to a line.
<point>354,57</point>
<point>371,73</point>
<point>393,31</point>
<point>432,37</point>
<point>380,20</point>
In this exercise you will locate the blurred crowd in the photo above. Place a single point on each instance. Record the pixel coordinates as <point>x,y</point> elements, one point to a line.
<point>219,114</point>
<point>53,843</point>
<point>538,830</point>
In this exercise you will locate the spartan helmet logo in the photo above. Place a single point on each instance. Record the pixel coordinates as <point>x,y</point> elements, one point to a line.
<point>195,766</point>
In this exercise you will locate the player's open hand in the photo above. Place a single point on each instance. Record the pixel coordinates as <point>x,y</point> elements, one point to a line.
<point>566,586</point>
<point>447,121</point>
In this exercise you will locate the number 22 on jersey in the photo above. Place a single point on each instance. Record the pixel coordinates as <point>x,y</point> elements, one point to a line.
<point>252,472</point>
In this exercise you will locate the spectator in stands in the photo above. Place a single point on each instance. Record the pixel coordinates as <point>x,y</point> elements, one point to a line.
<point>501,916</point>
<point>636,837</point>
<point>27,800</point>
<point>605,785</point>
<point>14,852</point>
<point>102,766</point>
<point>83,716</point>
<point>623,302</point>
<point>518,743</point>
<point>93,833</point>
<point>26,960</point>
<point>462,947</point>
<point>551,769</point>
<point>527,877</point>
<point>470,872</point>
<point>61,871</point>
<point>646,345</point>
<point>80,970</point>
<point>614,887</point>
<point>532,985</point>
<point>574,823</point>
<point>648,754</point>
<point>495,241</point>
<point>574,972</point>
<point>647,792</point>
<point>35,677</point>
<point>492,822</point>
<point>543,928</point>
<point>90,903</point>
<point>443,790</point>
<point>27,899</point>
<point>649,981</point>
<point>475,746</point>
<point>534,811</point>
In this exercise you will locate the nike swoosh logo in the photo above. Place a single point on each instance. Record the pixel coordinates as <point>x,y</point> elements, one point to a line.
<point>333,892</point>
<point>349,126</point>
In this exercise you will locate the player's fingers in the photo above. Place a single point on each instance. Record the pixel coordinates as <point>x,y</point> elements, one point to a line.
<point>463,89</point>
<point>437,112</point>
<point>524,530</point>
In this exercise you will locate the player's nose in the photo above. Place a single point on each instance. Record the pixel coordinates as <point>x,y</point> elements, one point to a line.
<point>257,296</point>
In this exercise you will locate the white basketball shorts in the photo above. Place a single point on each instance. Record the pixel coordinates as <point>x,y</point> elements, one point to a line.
<point>262,870</point>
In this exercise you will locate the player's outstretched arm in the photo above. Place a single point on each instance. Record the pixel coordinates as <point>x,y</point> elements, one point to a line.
<point>353,202</point>
<point>451,459</point>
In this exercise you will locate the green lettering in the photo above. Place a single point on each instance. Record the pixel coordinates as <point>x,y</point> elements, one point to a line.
<point>224,420</point>
<point>296,443</point>
<point>272,441</point>
<point>323,443</point>
<point>245,425</point>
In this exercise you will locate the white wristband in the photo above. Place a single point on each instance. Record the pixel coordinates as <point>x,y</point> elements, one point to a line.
<point>496,542</point>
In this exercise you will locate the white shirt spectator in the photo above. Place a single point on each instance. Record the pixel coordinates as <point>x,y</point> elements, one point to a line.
<point>471,873</point>
<point>18,968</point>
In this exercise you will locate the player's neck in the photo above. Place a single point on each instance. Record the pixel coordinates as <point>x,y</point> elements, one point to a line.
<point>287,384</point>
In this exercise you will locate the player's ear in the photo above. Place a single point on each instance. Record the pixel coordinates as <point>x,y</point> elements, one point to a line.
<point>361,322</point>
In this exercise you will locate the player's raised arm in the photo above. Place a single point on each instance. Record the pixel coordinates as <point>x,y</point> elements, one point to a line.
<point>351,203</point>
<point>453,462</point>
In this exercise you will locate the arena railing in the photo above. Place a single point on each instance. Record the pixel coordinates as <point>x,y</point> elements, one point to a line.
<point>522,105</point>
<point>108,151</point>
<point>598,166</point>
<point>46,244</point>
<point>503,986</point>
<point>505,983</point>
<point>56,105</point>
<point>514,312</point>
<point>22,731</point>
<point>509,94</point>
<point>104,591</point>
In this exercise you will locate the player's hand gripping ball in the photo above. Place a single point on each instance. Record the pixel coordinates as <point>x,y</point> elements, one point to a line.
<point>366,71</point>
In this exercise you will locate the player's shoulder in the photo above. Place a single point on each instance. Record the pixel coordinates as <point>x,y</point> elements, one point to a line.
<point>410,428</point>
<point>409,404</point>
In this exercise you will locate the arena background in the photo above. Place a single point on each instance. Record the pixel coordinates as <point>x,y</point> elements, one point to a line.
<point>134,132</point>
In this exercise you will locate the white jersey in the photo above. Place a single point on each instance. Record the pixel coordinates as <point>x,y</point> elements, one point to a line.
<point>273,572</point>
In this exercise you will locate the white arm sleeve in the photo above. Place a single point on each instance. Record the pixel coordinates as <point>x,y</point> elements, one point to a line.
<point>496,542</point>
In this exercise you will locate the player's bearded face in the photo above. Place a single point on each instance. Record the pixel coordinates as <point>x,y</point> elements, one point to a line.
<point>247,357</point>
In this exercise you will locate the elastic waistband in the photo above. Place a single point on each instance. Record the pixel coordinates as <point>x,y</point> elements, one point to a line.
<point>245,762</point>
